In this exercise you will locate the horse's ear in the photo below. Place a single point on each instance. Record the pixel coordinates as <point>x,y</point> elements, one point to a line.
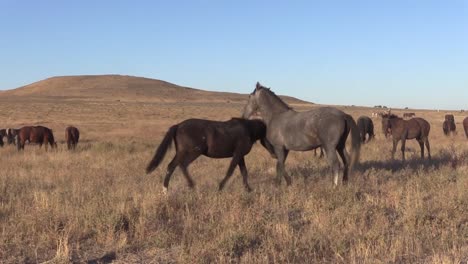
<point>258,86</point>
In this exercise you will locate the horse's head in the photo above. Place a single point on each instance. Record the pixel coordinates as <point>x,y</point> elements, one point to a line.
<point>386,126</point>
<point>251,108</point>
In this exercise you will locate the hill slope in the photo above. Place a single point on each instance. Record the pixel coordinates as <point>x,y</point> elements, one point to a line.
<point>120,87</point>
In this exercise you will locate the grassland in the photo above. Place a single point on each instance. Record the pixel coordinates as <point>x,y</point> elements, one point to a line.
<point>97,205</point>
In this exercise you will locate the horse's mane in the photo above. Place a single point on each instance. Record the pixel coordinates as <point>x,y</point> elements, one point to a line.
<point>272,94</point>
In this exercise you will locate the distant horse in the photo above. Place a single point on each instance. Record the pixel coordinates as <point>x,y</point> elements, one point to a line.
<point>465,126</point>
<point>12,133</point>
<point>449,126</point>
<point>366,127</point>
<point>3,133</point>
<point>408,115</point>
<point>415,128</point>
<point>35,134</point>
<point>325,127</point>
<point>72,136</point>
<point>214,139</point>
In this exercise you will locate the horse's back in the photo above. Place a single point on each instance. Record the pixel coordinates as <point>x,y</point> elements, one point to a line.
<point>302,131</point>
<point>425,126</point>
<point>216,139</point>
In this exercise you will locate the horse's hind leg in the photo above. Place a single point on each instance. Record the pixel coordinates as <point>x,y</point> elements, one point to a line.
<point>421,145</point>
<point>184,167</point>
<point>333,162</point>
<point>170,169</point>
<point>345,158</point>
<point>426,140</point>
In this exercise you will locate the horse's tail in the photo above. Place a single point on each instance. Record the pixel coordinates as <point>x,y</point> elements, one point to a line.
<point>162,149</point>
<point>355,142</point>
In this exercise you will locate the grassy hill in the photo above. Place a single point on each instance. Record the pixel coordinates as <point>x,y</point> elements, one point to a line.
<point>123,88</point>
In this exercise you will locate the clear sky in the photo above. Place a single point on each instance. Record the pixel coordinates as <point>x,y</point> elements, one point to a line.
<point>395,53</point>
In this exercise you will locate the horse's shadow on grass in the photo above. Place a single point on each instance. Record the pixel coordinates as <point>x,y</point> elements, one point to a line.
<point>398,165</point>
<point>444,158</point>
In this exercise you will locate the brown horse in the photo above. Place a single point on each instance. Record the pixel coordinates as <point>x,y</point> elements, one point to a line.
<point>465,126</point>
<point>35,134</point>
<point>449,126</point>
<point>214,139</point>
<point>415,128</point>
<point>72,136</point>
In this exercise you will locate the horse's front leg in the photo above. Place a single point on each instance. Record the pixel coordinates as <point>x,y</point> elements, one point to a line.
<point>282,154</point>
<point>395,144</point>
<point>403,143</point>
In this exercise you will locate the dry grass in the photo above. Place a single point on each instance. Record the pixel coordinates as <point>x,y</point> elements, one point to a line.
<point>97,204</point>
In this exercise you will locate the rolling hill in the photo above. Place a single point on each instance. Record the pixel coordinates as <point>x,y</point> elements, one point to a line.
<point>123,88</point>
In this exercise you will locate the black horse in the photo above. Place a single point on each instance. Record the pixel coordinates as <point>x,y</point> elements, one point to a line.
<point>366,127</point>
<point>214,139</point>
<point>3,133</point>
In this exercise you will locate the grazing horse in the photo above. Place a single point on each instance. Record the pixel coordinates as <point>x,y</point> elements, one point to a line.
<point>408,115</point>
<point>366,127</point>
<point>35,134</point>
<point>11,135</point>
<point>449,126</point>
<point>3,133</point>
<point>415,128</point>
<point>72,136</point>
<point>214,139</point>
<point>465,126</point>
<point>325,127</point>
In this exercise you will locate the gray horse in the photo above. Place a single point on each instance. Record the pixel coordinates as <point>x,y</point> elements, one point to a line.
<point>325,127</point>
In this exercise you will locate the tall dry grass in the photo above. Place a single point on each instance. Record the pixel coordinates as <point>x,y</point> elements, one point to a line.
<point>97,204</point>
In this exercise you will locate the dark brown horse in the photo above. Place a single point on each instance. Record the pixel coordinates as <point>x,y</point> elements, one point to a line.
<point>35,134</point>
<point>3,133</point>
<point>449,126</point>
<point>214,139</point>
<point>72,136</point>
<point>465,126</point>
<point>366,128</point>
<point>415,128</point>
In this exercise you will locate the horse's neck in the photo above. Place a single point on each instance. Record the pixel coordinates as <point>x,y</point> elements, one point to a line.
<point>270,107</point>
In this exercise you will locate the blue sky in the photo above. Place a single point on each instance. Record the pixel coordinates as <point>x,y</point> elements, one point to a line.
<point>395,53</point>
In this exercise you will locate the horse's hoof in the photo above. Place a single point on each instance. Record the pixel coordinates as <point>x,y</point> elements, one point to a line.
<point>164,191</point>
